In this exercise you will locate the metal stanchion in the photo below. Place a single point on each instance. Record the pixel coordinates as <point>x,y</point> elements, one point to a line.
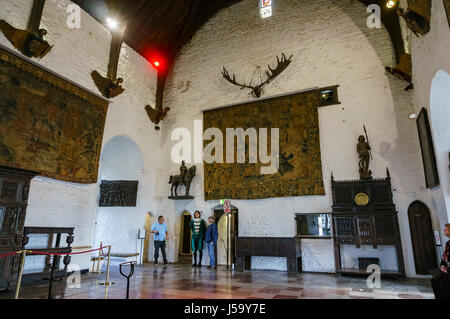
<point>131,263</point>
<point>19,278</point>
<point>107,282</point>
<point>99,271</point>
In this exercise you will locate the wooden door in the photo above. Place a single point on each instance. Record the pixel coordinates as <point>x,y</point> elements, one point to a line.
<point>186,234</point>
<point>422,238</point>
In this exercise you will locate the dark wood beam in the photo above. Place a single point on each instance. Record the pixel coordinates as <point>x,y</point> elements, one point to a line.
<point>114,53</point>
<point>36,15</point>
<point>391,21</point>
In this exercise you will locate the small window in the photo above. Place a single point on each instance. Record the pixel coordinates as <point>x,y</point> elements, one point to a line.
<point>328,96</point>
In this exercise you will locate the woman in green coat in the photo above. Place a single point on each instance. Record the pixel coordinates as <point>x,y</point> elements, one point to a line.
<point>198,228</point>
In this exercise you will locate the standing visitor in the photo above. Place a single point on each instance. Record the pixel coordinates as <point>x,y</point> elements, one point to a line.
<point>441,283</point>
<point>161,234</point>
<point>198,227</point>
<point>211,240</point>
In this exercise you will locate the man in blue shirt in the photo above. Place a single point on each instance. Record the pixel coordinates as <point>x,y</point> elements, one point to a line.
<point>161,233</point>
<point>211,240</point>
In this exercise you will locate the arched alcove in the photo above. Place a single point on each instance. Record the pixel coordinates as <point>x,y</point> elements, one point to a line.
<point>440,119</point>
<point>121,159</point>
<point>185,250</point>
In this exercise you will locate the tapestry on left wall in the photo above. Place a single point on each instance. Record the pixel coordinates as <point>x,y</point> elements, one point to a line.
<point>48,124</point>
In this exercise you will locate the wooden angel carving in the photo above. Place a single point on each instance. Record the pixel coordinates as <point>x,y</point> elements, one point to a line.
<point>156,115</point>
<point>31,44</point>
<point>107,87</point>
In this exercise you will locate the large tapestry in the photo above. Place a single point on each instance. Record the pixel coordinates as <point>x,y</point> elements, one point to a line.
<point>300,167</point>
<point>48,124</point>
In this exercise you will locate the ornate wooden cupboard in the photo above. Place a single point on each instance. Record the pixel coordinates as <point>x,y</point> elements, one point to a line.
<point>14,188</point>
<point>364,214</point>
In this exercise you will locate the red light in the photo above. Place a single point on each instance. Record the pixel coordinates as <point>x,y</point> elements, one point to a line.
<point>156,63</point>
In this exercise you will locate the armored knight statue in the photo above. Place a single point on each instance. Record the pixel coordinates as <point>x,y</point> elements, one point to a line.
<point>363,149</point>
<point>183,171</point>
<point>185,178</point>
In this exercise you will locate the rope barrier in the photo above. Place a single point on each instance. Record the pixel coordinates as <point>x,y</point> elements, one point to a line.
<point>51,254</point>
<point>24,253</point>
<point>63,254</point>
<point>9,254</point>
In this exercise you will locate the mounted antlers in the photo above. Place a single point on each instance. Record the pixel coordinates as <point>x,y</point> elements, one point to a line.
<point>271,75</point>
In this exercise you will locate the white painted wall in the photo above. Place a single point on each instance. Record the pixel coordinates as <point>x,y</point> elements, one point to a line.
<point>76,53</point>
<point>431,65</point>
<point>331,45</point>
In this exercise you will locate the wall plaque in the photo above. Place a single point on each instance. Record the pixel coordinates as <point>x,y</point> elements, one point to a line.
<point>118,193</point>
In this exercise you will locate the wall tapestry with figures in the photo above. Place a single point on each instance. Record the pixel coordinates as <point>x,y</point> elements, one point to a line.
<point>48,124</point>
<point>300,167</point>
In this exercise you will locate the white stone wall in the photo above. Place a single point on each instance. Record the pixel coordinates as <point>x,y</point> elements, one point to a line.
<point>331,45</point>
<point>75,54</point>
<point>430,70</point>
<point>430,57</point>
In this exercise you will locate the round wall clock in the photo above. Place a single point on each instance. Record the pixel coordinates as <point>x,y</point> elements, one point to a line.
<point>361,199</point>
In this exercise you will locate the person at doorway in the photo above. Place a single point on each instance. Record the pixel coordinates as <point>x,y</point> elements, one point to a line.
<point>211,240</point>
<point>441,282</point>
<point>160,235</point>
<point>198,227</point>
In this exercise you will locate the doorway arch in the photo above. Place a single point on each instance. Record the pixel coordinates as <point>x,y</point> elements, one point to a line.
<point>422,238</point>
<point>185,249</point>
<point>121,159</point>
<point>221,220</point>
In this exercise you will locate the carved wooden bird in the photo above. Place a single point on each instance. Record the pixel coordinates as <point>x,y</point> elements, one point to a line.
<point>31,44</point>
<point>107,87</point>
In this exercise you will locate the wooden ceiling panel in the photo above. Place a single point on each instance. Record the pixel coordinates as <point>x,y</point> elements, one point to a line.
<point>163,26</point>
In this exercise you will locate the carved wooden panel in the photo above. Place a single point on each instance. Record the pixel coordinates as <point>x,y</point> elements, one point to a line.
<point>9,190</point>
<point>373,224</point>
<point>344,196</point>
<point>344,229</point>
<point>365,230</point>
<point>386,226</point>
<point>380,194</point>
<point>14,183</point>
<point>118,193</point>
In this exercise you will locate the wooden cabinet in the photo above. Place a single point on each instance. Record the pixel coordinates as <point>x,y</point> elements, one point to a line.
<point>14,189</point>
<point>288,247</point>
<point>373,222</point>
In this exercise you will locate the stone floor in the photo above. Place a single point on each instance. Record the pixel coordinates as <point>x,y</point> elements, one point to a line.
<point>184,282</point>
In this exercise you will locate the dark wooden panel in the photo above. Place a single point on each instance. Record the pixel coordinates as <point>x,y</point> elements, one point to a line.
<point>373,224</point>
<point>118,193</point>
<point>14,188</point>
